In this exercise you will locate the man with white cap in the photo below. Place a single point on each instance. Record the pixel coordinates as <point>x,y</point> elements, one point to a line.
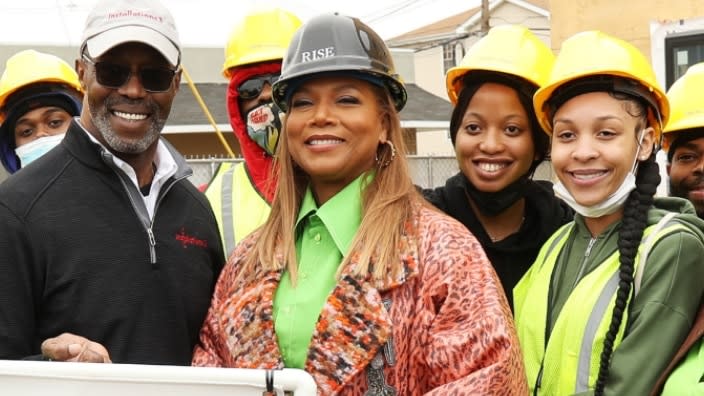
<point>109,253</point>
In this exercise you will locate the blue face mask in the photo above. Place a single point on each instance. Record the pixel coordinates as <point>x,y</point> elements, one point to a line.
<point>35,149</point>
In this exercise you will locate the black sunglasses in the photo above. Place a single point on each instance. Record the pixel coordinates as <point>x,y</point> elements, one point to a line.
<point>111,75</point>
<point>251,88</point>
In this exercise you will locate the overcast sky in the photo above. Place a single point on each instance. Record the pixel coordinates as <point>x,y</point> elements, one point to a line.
<point>208,22</point>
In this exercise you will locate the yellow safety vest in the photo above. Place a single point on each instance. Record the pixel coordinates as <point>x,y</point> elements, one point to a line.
<point>569,362</point>
<point>686,379</point>
<point>239,208</point>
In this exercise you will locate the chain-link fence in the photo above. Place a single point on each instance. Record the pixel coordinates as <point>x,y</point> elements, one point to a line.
<point>427,171</point>
<point>204,169</point>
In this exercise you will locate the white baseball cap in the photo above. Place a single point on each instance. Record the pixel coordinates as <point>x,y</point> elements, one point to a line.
<point>115,22</point>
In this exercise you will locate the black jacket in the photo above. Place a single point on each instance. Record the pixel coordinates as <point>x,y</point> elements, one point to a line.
<point>511,257</point>
<point>79,254</point>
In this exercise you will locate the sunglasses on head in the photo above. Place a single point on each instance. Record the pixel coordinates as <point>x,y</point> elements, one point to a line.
<point>251,88</point>
<point>112,75</point>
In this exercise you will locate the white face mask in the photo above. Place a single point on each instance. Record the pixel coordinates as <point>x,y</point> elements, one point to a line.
<point>35,149</point>
<point>610,204</point>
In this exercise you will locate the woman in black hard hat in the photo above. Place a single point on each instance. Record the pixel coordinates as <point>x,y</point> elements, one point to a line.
<point>353,277</point>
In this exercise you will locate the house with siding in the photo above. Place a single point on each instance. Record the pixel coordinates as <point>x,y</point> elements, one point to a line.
<point>439,46</point>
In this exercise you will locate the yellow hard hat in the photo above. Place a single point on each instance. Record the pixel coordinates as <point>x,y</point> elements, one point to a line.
<point>30,67</point>
<point>509,49</point>
<point>596,54</point>
<point>686,97</point>
<point>261,36</point>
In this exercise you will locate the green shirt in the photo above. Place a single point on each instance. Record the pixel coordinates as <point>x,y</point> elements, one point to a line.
<point>323,237</point>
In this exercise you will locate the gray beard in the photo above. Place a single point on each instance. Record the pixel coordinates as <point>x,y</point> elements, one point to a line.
<point>100,115</point>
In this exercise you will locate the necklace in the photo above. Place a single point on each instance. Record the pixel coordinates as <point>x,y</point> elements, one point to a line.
<point>502,237</point>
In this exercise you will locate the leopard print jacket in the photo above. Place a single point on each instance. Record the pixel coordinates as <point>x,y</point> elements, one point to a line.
<point>447,320</point>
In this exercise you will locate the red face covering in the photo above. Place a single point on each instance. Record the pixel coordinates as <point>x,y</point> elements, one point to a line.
<point>257,161</point>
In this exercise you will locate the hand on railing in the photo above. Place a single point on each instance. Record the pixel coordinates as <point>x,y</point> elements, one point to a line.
<point>73,348</point>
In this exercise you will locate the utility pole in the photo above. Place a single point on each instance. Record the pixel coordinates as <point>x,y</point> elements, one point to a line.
<point>485,17</point>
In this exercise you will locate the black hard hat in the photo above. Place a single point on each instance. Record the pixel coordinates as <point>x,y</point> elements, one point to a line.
<point>333,43</point>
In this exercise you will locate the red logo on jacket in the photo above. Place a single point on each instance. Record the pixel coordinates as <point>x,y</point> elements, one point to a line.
<point>190,240</point>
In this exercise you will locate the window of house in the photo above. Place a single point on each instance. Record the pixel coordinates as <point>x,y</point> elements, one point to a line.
<point>448,56</point>
<point>681,51</point>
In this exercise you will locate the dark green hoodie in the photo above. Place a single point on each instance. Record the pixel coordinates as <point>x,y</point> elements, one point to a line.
<point>663,311</point>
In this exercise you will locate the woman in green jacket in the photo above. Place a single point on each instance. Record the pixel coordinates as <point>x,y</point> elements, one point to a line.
<point>612,294</point>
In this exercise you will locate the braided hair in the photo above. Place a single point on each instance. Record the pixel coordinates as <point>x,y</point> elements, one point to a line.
<point>635,216</point>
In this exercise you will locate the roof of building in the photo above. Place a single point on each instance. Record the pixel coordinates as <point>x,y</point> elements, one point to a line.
<point>440,29</point>
<point>447,28</point>
<point>544,4</point>
<point>422,107</point>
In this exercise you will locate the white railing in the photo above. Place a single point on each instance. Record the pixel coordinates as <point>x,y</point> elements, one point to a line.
<point>34,378</point>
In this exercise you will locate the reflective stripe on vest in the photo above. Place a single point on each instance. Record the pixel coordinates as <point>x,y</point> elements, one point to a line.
<point>598,312</point>
<point>570,358</point>
<point>226,215</point>
<point>239,208</point>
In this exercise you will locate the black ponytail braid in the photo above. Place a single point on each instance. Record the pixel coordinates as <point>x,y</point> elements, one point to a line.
<point>635,216</point>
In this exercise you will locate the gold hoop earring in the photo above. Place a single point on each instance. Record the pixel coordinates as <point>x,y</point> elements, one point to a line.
<point>390,157</point>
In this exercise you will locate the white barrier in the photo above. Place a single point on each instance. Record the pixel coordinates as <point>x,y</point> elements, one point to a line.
<point>32,378</point>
